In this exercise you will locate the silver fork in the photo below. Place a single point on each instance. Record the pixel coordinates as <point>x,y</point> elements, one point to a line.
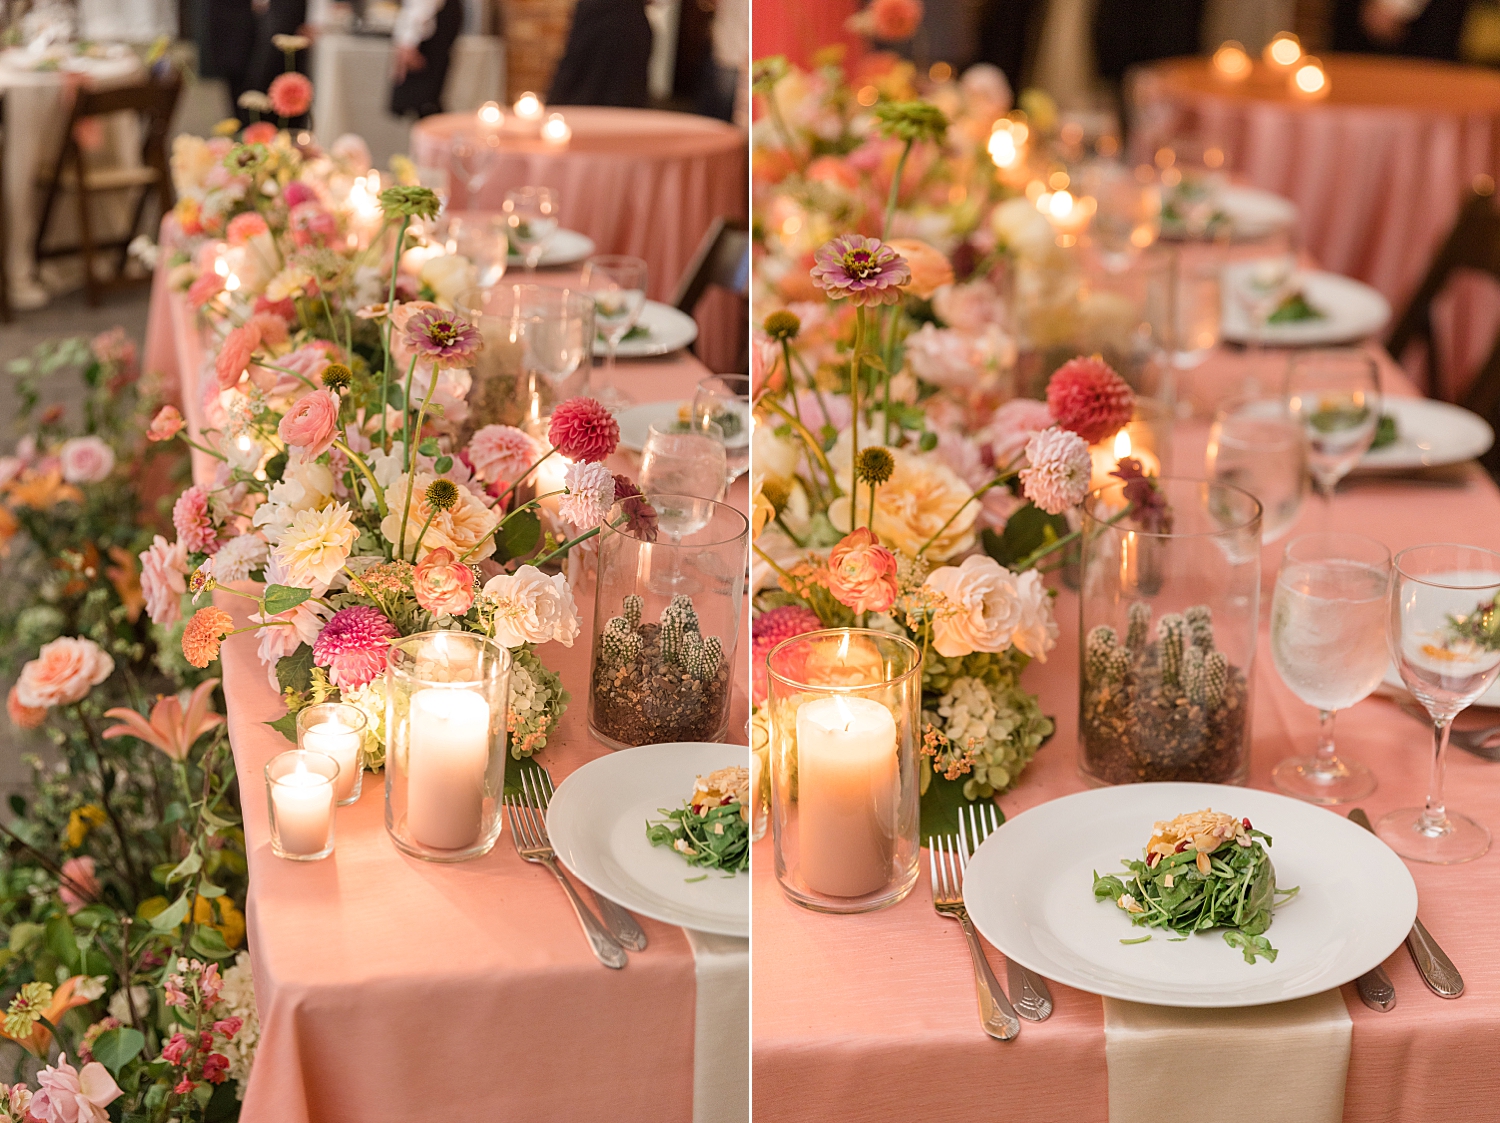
<point>995,1011</point>
<point>621,924</point>
<point>528,830</point>
<point>1032,997</point>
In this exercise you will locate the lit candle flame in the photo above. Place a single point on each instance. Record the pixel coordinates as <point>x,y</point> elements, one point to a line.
<point>528,106</point>
<point>1310,78</point>
<point>1122,444</point>
<point>1284,49</point>
<point>1231,61</point>
<point>490,114</point>
<point>556,130</point>
<point>1002,146</point>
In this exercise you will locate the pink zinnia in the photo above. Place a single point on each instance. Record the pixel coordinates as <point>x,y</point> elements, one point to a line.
<point>1058,470</point>
<point>865,270</point>
<point>195,526</point>
<point>442,338</point>
<point>353,644</point>
<point>235,353</point>
<point>243,227</point>
<point>297,192</point>
<point>262,132</point>
<point>291,94</point>
<point>771,628</point>
<point>1089,398</point>
<point>502,452</point>
<point>582,429</point>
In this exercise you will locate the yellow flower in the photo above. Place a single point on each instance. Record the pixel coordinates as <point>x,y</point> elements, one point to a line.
<point>316,545</point>
<point>231,923</point>
<point>921,495</point>
<point>81,820</point>
<point>459,529</point>
<point>761,513</point>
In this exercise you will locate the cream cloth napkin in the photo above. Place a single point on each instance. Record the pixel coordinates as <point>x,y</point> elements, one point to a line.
<point>1284,1063</point>
<point>721,1028</point>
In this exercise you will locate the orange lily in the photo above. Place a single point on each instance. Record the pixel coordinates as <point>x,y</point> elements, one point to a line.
<point>43,490</point>
<point>125,576</point>
<point>170,729</point>
<point>64,998</point>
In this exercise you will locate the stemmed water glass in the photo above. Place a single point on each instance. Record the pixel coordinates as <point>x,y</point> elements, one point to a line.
<point>475,157</point>
<point>482,238</point>
<point>618,285</point>
<point>1261,286</point>
<point>685,459</point>
<point>724,399</point>
<point>1128,216</point>
<point>1328,622</point>
<point>1444,635</point>
<point>1336,395</point>
<point>531,214</point>
<point>1197,313</point>
<point>1258,444</point>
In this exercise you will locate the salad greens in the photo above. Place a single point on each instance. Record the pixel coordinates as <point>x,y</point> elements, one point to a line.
<point>711,830</point>
<point>1385,432</point>
<point>1229,883</point>
<point>1294,309</point>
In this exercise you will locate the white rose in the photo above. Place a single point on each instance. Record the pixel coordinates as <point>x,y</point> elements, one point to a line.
<point>981,607</point>
<point>1036,633</point>
<point>940,356</point>
<point>531,607</point>
<point>86,460</point>
<point>447,276</point>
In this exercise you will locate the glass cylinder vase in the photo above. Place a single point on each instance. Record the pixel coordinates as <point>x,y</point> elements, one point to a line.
<point>1168,615</point>
<point>846,721</point>
<point>447,696</point>
<point>669,591</point>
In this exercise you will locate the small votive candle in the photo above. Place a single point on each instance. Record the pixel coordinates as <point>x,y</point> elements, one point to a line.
<point>1283,50</point>
<point>556,130</point>
<point>491,116</point>
<point>300,799</point>
<point>336,729</point>
<point>529,107</point>
<point>1231,62</point>
<point>1310,80</point>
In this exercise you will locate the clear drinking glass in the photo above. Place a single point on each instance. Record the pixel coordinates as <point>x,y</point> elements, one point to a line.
<point>724,399</point>
<point>1197,314</point>
<point>474,158</point>
<point>300,800</point>
<point>1261,286</point>
<point>1128,215</point>
<point>1258,444</point>
<point>537,340</point>
<point>1328,619</point>
<point>618,285</point>
<point>531,214</point>
<point>685,460</point>
<point>1336,394</point>
<point>1444,635</point>
<point>484,240</point>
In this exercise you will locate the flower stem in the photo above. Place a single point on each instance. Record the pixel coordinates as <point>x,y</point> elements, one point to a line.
<point>890,203</point>
<point>770,561</point>
<point>411,450</point>
<point>408,453</point>
<point>359,462</point>
<point>566,546</point>
<point>855,377</point>
<point>534,466</point>
<point>1057,544</point>
<point>417,549</point>
<point>1004,477</point>
<point>871,523</point>
<point>811,442</point>
<point>390,304</point>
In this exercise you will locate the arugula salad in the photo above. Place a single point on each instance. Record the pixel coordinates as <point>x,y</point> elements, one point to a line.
<point>1295,309</point>
<point>1202,870</point>
<point>712,829</point>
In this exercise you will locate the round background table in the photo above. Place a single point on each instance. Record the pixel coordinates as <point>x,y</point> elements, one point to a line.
<point>1378,168</point>
<point>636,181</point>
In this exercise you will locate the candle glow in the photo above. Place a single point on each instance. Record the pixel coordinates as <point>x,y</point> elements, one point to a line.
<point>1231,61</point>
<point>491,115</point>
<point>1283,50</point>
<point>528,107</point>
<point>556,130</point>
<point>1310,79</point>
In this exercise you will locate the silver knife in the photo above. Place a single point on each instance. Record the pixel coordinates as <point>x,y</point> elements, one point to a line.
<point>1433,964</point>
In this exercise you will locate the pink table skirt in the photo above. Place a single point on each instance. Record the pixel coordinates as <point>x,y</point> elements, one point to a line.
<point>873,1018</point>
<point>1378,170</point>
<point>391,989</point>
<point>636,181</point>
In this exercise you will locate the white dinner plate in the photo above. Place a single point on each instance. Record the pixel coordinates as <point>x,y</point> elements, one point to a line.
<point>667,330</point>
<point>1490,699</point>
<point>636,422</point>
<point>1429,434</point>
<point>1029,889</point>
<point>1254,213</point>
<point>1351,310</point>
<point>568,247</point>
<point>597,820</point>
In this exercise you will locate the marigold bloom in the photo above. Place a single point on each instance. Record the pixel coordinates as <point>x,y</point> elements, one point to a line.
<point>203,635</point>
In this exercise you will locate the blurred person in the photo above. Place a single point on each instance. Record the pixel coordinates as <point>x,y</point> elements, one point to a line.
<point>273,18</point>
<point>1006,29</point>
<point>421,50</point>
<point>1415,28</point>
<point>226,39</point>
<point>1130,32</point>
<point>607,56</point>
<point>726,81</point>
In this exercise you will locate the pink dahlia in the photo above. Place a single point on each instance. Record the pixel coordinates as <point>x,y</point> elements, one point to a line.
<point>1012,426</point>
<point>865,270</point>
<point>352,645</point>
<point>590,495</point>
<point>501,453</point>
<point>1058,470</point>
<point>291,94</point>
<point>1089,398</point>
<point>195,526</point>
<point>582,429</point>
<point>164,580</point>
<point>771,628</point>
<point>243,227</point>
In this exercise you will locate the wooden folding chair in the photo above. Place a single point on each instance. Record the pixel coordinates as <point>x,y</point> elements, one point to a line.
<point>722,260</point>
<point>4,225</point>
<point>1474,243</point>
<point>153,101</point>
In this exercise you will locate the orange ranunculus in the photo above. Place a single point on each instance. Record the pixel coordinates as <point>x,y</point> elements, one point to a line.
<point>9,524</point>
<point>930,269</point>
<point>862,572</point>
<point>171,729</point>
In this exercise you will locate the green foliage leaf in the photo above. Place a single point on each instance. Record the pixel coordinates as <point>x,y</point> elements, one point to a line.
<point>161,871</point>
<point>1025,531</point>
<point>116,1048</point>
<point>62,943</point>
<point>173,915</point>
<point>24,934</point>
<point>517,536</point>
<point>429,447</point>
<point>395,395</point>
<point>294,672</point>
<point>187,867</point>
<point>513,770</point>
<point>284,598</point>
<point>286,725</point>
<point>941,804</point>
<point>928,443</point>
<point>208,889</point>
<point>208,941</point>
<point>443,464</point>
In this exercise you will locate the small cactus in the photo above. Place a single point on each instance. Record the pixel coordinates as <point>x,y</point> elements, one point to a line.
<point>1215,678</point>
<point>713,656</point>
<point>1193,675</point>
<point>682,609</point>
<point>620,643</point>
<point>1099,652</point>
<point>672,639</point>
<point>632,606</point>
<point>1169,634</point>
<point>1140,623</point>
<point>1118,666</point>
<point>1200,622</point>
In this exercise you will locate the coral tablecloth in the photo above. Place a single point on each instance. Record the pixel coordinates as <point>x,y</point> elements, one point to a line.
<point>636,181</point>
<point>872,1018</point>
<point>1378,169</point>
<point>391,989</point>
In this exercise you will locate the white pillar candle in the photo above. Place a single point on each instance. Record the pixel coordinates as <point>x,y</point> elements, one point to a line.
<point>303,802</point>
<point>848,789</point>
<point>335,739</point>
<point>450,750</point>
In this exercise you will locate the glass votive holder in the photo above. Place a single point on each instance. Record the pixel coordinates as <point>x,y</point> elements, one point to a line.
<point>845,717</point>
<point>336,729</point>
<point>446,696</point>
<point>300,799</point>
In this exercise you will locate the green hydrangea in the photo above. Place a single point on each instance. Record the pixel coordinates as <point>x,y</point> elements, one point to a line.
<point>977,702</point>
<point>39,624</point>
<point>537,701</point>
<point>370,701</point>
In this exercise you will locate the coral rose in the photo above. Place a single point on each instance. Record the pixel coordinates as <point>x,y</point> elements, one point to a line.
<point>862,572</point>
<point>930,269</point>
<point>80,885</point>
<point>22,716</point>
<point>443,585</point>
<point>166,424</point>
<point>63,672</point>
<point>312,423</point>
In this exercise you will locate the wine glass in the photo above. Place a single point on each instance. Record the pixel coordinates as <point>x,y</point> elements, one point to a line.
<point>1336,394</point>
<point>724,399</point>
<point>531,214</point>
<point>1257,444</point>
<point>1127,218</point>
<point>483,239</point>
<point>685,459</point>
<point>618,285</point>
<point>1444,635</point>
<point>475,158</point>
<point>1328,619</point>
<point>1197,312</point>
<point>1260,287</point>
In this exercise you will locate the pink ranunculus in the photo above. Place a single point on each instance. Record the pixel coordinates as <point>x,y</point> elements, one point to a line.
<point>273,329</point>
<point>164,580</point>
<point>208,285</point>
<point>243,227</point>
<point>502,452</point>
<point>80,885</point>
<point>862,572</point>
<point>235,353</point>
<point>63,672</point>
<point>291,94</point>
<point>69,1095</point>
<point>261,132</point>
<point>166,424</point>
<point>443,585</point>
<point>86,460</point>
<point>312,423</point>
<point>194,521</point>
<point>311,225</point>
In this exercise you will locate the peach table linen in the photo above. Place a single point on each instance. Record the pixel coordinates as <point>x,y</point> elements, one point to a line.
<point>872,1018</point>
<point>1378,169</point>
<point>391,989</point>
<point>637,181</point>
